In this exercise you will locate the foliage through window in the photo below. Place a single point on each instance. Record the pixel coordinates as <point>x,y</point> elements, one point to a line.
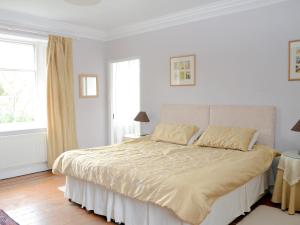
<point>22,84</point>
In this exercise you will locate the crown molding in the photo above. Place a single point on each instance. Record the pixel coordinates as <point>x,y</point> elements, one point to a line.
<point>219,8</point>
<point>41,26</point>
<point>25,23</point>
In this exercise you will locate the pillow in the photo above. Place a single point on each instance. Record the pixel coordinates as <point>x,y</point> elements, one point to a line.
<point>253,141</point>
<point>195,137</point>
<point>226,137</point>
<point>174,133</point>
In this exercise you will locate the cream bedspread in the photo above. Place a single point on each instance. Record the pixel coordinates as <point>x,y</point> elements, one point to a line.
<point>185,179</point>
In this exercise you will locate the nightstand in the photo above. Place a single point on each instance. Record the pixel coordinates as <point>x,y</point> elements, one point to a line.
<point>129,137</point>
<point>287,185</point>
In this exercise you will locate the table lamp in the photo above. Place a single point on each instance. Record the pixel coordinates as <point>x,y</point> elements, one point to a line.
<point>296,128</point>
<point>143,118</point>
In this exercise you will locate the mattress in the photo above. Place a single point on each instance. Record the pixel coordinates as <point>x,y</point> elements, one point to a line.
<point>130,211</point>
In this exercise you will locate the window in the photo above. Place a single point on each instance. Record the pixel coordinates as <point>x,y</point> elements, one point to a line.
<point>22,83</point>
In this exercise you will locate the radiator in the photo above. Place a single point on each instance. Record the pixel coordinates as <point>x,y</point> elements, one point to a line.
<point>23,154</point>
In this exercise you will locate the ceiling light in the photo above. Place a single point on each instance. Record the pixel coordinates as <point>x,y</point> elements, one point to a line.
<point>83,2</point>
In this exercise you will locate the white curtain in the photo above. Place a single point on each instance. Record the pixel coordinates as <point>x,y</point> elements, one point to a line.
<point>125,99</point>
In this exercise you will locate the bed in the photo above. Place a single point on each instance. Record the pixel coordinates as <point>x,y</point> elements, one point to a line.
<point>122,208</point>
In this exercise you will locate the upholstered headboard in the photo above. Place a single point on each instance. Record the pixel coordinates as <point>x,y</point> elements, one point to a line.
<point>262,118</point>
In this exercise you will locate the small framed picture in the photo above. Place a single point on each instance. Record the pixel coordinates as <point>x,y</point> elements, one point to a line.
<point>294,60</point>
<point>182,70</point>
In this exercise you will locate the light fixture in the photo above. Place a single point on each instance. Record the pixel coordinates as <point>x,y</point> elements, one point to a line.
<point>296,127</point>
<point>83,2</point>
<point>143,118</point>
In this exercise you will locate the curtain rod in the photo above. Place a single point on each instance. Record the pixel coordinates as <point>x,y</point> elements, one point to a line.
<point>39,33</point>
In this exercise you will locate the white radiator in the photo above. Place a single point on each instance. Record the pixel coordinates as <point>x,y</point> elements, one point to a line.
<point>23,154</point>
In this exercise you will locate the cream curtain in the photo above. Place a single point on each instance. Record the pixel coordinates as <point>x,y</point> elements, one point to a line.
<point>60,101</point>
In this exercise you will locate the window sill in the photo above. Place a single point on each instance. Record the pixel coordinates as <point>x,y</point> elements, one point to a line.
<point>22,131</point>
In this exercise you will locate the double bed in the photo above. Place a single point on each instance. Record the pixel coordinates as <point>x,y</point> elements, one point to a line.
<point>144,182</point>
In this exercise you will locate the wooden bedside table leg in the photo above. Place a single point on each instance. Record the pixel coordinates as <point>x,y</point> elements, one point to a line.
<point>283,196</point>
<point>292,200</point>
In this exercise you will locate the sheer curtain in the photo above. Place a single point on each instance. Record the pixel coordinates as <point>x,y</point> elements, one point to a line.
<point>125,99</point>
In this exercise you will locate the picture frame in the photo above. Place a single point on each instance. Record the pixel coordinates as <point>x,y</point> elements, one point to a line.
<point>183,70</point>
<point>88,86</point>
<point>294,60</point>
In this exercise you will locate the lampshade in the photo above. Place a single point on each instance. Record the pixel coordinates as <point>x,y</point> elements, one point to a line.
<point>142,117</point>
<point>296,127</point>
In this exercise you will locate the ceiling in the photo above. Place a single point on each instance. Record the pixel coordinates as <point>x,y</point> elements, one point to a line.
<point>107,15</point>
<point>113,19</point>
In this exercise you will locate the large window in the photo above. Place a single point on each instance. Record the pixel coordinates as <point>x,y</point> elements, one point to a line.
<point>22,84</point>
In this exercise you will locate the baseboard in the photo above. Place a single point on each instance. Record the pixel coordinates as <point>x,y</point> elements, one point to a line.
<point>23,170</point>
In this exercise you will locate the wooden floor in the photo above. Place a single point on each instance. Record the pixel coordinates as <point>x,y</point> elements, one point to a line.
<point>35,200</point>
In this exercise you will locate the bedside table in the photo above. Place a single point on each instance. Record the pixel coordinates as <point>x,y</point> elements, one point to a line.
<point>287,185</point>
<point>129,137</point>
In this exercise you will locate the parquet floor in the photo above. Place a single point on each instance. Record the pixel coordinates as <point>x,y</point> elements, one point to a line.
<point>35,200</point>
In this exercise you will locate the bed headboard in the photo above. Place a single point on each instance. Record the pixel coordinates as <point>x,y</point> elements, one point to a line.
<point>261,118</point>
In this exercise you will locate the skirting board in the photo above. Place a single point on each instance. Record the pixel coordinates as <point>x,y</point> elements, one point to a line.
<point>23,170</point>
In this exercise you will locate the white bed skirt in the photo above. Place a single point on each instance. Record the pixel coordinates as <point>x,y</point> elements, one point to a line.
<point>126,210</point>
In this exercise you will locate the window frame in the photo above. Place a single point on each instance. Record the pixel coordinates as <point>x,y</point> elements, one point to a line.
<point>39,71</point>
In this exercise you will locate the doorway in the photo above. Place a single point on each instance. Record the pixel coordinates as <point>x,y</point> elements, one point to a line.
<point>125,99</point>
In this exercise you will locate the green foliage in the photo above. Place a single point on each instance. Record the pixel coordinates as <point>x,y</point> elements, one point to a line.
<point>22,119</point>
<point>2,91</point>
<point>9,118</point>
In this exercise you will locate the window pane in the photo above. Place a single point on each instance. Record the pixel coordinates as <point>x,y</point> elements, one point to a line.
<point>16,56</point>
<point>17,96</point>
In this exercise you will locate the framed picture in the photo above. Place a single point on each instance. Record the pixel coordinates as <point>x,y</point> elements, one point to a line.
<point>294,60</point>
<point>182,71</point>
<point>88,86</point>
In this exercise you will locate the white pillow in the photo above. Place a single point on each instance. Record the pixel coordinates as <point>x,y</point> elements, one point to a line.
<point>195,137</point>
<point>253,141</point>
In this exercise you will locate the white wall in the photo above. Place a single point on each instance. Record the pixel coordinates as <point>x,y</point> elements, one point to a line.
<point>23,152</point>
<point>88,57</point>
<point>241,59</point>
